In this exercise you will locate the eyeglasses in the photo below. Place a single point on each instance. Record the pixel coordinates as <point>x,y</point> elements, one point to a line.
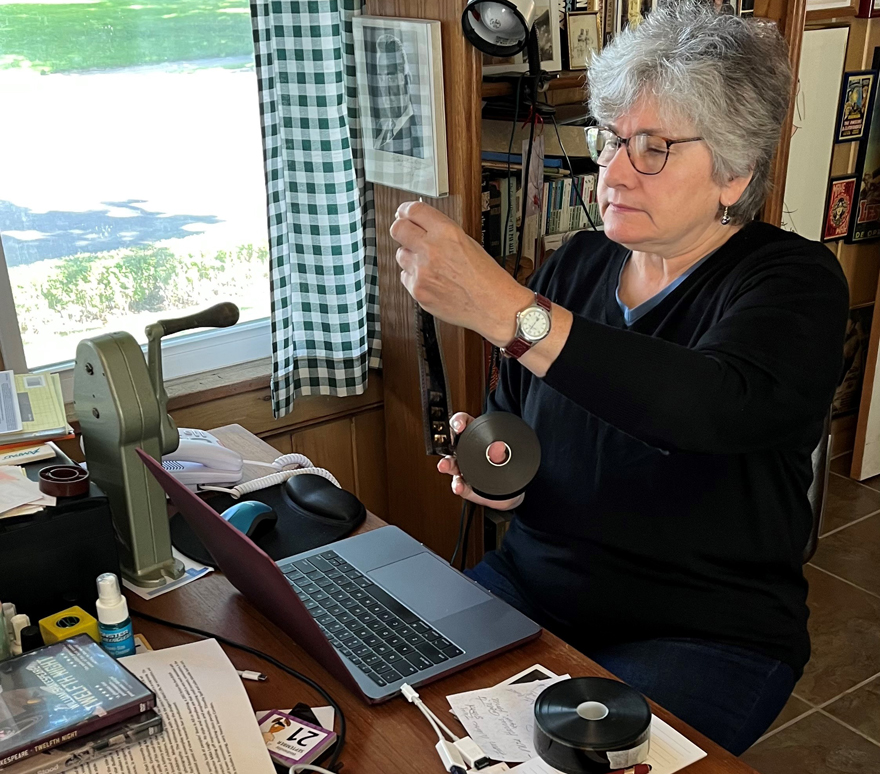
<point>647,152</point>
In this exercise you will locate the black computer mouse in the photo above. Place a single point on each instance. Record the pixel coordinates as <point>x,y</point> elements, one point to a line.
<point>253,518</point>
<point>319,498</point>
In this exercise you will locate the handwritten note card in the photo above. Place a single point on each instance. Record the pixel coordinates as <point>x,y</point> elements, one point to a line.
<point>501,719</point>
<point>670,752</point>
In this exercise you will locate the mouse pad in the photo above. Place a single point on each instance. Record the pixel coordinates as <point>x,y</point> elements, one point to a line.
<point>297,529</point>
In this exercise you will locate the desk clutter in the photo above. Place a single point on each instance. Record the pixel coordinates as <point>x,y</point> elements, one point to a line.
<point>536,719</point>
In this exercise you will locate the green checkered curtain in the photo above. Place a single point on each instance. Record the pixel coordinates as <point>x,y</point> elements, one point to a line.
<point>322,233</point>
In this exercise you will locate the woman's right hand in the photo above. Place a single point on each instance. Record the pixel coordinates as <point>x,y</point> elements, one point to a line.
<point>449,466</point>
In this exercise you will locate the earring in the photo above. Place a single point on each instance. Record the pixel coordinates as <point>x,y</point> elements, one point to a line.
<point>725,218</point>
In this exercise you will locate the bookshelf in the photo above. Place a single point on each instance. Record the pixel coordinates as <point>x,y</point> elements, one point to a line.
<point>419,499</point>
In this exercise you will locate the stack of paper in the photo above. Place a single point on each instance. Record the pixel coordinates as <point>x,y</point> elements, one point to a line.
<point>501,720</point>
<point>19,495</point>
<point>31,410</point>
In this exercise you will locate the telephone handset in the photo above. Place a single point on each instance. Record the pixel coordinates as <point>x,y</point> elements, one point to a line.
<point>201,462</point>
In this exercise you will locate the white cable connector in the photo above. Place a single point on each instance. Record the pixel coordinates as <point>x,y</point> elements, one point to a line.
<point>462,753</point>
<point>450,756</point>
<point>472,753</point>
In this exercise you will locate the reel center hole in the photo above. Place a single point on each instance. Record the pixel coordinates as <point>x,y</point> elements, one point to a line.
<point>592,710</point>
<point>498,453</point>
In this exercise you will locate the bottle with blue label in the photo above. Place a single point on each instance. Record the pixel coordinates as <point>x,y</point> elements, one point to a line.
<point>114,623</point>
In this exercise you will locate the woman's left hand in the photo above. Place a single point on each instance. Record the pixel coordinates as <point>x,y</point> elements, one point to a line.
<point>452,277</point>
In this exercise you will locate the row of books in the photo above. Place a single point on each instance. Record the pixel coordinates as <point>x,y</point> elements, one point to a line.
<point>561,210</point>
<point>68,704</point>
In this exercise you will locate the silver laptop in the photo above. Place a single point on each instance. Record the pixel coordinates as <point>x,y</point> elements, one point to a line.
<point>376,610</point>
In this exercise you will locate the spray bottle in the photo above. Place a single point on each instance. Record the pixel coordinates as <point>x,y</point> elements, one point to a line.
<point>114,623</point>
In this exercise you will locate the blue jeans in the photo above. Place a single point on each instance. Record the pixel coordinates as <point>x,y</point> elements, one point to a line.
<point>728,693</point>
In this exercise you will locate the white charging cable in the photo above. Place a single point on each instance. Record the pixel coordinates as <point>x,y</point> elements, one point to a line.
<point>298,767</point>
<point>458,754</point>
<point>288,466</point>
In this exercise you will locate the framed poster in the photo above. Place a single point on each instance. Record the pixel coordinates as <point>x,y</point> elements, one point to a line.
<point>830,9</point>
<point>806,182</point>
<point>400,95</point>
<point>866,211</point>
<point>853,108</point>
<point>548,18</point>
<point>583,39</point>
<point>838,207</point>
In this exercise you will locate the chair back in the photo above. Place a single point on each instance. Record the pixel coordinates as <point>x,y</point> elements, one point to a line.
<point>818,491</point>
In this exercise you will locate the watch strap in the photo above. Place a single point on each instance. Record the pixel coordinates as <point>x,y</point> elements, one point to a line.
<point>520,345</point>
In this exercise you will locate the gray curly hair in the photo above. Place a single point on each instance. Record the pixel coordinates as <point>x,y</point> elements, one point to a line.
<point>727,76</point>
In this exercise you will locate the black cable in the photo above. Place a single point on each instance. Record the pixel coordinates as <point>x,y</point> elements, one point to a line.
<point>568,164</point>
<point>467,531</point>
<point>460,533</point>
<point>503,256</point>
<point>340,736</point>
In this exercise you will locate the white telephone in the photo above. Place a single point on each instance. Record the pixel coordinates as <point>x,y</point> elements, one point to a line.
<point>202,462</point>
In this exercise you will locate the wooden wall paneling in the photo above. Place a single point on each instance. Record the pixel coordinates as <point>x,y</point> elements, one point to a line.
<point>253,409</point>
<point>280,442</point>
<point>329,446</point>
<point>866,452</point>
<point>368,445</point>
<point>419,499</point>
<point>790,15</point>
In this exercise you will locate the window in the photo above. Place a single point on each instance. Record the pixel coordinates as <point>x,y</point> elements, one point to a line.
<point>132,183</point>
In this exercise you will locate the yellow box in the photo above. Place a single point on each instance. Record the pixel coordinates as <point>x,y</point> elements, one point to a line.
<point>68,623</point>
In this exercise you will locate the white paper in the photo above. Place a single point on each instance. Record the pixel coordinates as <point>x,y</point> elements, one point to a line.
<point>670,752</point>
<point>209,723</point>
<point>10,414</point>
<point>193,571</point>
<point>16,490</point>
<point>501,719</point>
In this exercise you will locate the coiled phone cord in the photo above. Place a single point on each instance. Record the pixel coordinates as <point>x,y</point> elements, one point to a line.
<point>299,463</point>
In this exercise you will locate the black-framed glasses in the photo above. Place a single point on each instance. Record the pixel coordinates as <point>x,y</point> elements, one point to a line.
<point>648,153</point>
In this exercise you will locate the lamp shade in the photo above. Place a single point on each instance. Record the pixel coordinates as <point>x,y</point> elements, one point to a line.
<point>498,27</point>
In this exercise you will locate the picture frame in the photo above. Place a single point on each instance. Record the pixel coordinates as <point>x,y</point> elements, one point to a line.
<point>584,39</point>
<point>854,105</point>
<point>399,70</point>
<point>839,201</point>
<point>822,10</point>
<point>866,206</point>
<point>631,13</point>
<point>548,20</point>
<point>868,9</point>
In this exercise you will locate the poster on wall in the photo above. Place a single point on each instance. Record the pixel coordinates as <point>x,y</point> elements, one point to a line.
<point>838,207</point>
<point>854,106</point>
<point>866,212</point>
<point>549,15</point>
<point>400,96</point>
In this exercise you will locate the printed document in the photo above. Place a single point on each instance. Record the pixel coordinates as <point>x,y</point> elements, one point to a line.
<point>209,723</point>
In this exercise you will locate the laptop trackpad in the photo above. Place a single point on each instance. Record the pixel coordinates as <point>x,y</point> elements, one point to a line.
<point>428,587</point>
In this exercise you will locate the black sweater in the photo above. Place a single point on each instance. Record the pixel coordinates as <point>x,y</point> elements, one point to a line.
<point>671,500</point>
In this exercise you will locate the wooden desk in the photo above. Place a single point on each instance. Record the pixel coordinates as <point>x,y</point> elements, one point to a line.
<point>391,737</point>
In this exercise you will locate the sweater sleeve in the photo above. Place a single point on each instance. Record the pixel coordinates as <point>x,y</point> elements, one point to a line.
<point>765,370</point>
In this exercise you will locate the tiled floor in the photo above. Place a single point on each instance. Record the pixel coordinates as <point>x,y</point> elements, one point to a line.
<point>831,724</point>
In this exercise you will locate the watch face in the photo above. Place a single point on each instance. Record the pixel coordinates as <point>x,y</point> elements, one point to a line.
<point>534,324</point>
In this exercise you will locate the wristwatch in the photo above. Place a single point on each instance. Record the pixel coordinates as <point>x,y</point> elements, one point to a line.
<point>532,326</point>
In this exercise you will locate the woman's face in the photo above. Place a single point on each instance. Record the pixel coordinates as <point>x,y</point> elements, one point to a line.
<point>667,212</point>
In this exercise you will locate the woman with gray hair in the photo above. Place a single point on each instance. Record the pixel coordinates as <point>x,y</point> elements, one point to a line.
<point>677,370</point>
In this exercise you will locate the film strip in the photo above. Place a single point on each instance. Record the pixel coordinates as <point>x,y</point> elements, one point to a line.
<point>436,408</point>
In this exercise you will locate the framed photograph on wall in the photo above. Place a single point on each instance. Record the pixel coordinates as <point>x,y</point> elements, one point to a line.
<point>838,207</point>
<point>854,105</point>
<point>583,39</point>
<point>866,209</point>
<point>818,10</point>
<point>548,18</point>
<point>400,96</point>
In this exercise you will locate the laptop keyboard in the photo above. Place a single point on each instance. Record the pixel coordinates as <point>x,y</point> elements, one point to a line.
<point>384,639</point>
